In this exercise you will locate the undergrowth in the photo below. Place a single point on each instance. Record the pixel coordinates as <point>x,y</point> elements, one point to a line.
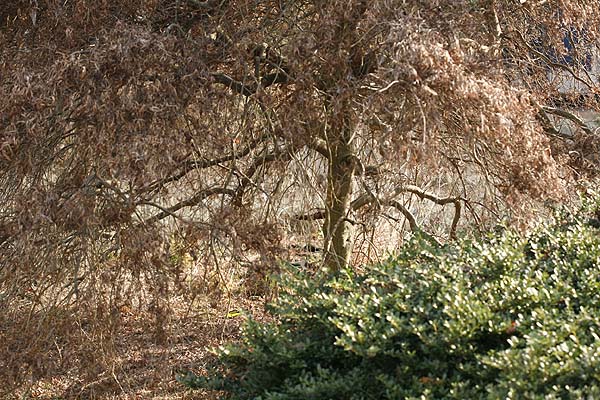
<point>508,316</point>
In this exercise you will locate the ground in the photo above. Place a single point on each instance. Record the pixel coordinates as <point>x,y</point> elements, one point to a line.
<point>146,367</point>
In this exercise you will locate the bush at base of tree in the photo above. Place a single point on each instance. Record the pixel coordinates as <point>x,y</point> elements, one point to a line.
<point>507,317</point>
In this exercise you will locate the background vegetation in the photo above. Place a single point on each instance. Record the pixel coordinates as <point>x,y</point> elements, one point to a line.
<point>160,159</point>
<point>504,317</point>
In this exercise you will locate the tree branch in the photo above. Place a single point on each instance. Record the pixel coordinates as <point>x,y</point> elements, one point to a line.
<point>552,63</point>
<point>570,116</point>
<point>236,86</point>
<point>205,163</point>
<point>314,216</point>
<point>280,76</point>
<point>320,147</point>
<point>284,154</point>
<point>548,126</point>
<point>437,200</point>
<point>192,201</point>
<point>207,4</point>
<point>407,214</point>
<point>368,198</point>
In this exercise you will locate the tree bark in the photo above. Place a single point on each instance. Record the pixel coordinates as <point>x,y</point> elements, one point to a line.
<point>337,232</point>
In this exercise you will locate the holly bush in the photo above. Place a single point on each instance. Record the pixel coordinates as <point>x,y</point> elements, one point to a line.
<point>507,316</point>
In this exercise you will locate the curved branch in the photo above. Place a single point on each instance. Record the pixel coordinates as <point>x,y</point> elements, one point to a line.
<point>414,227</point>
<point>205,163</point>
<point>320,147</point>
<point>280,76</point>
<point>361,201</point>
<point>284,154</point>
<point>192,201</point>
<point>424,194</point>
<point>234,85</point>
<point>548,126</point>
<point>454,225</point>
<point>407,214</point>
<point>570,116</point>
<point>437,200</point>
<point>368,198</point>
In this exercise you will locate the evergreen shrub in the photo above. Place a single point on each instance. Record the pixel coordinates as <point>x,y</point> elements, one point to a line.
<point>503,317</point>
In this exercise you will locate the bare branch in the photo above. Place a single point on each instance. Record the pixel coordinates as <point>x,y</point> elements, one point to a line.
<point>407,214</point>
<point>260,161</point>
<point>280,76</point>
<point>192,201</point>
<point>549,126</point>
<point>320,147</point>
<point>425,195</point>
<point>191,165</point>
<point>314,216</point>
<point>437,200</point>
<point>552,63</point>
<point>457,212</point>
<point>369,198</point>
<point>236,86</point>
<point>207,5</point>
<point>570,116</point>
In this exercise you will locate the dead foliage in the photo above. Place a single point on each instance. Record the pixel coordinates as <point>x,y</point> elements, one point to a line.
<point>171,149</point>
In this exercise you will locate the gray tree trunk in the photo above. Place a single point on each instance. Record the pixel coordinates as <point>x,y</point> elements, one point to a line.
<point>337,231</point>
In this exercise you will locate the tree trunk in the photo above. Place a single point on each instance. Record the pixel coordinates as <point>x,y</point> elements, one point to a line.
<point>336,228</point>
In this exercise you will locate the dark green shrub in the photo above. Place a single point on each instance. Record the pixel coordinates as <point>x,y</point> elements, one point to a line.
<point>507,317</point>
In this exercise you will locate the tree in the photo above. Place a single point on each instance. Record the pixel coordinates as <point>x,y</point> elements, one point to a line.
<point>231,120</point>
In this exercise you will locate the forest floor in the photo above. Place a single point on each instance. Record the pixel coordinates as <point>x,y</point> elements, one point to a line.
<point>146,366</point>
